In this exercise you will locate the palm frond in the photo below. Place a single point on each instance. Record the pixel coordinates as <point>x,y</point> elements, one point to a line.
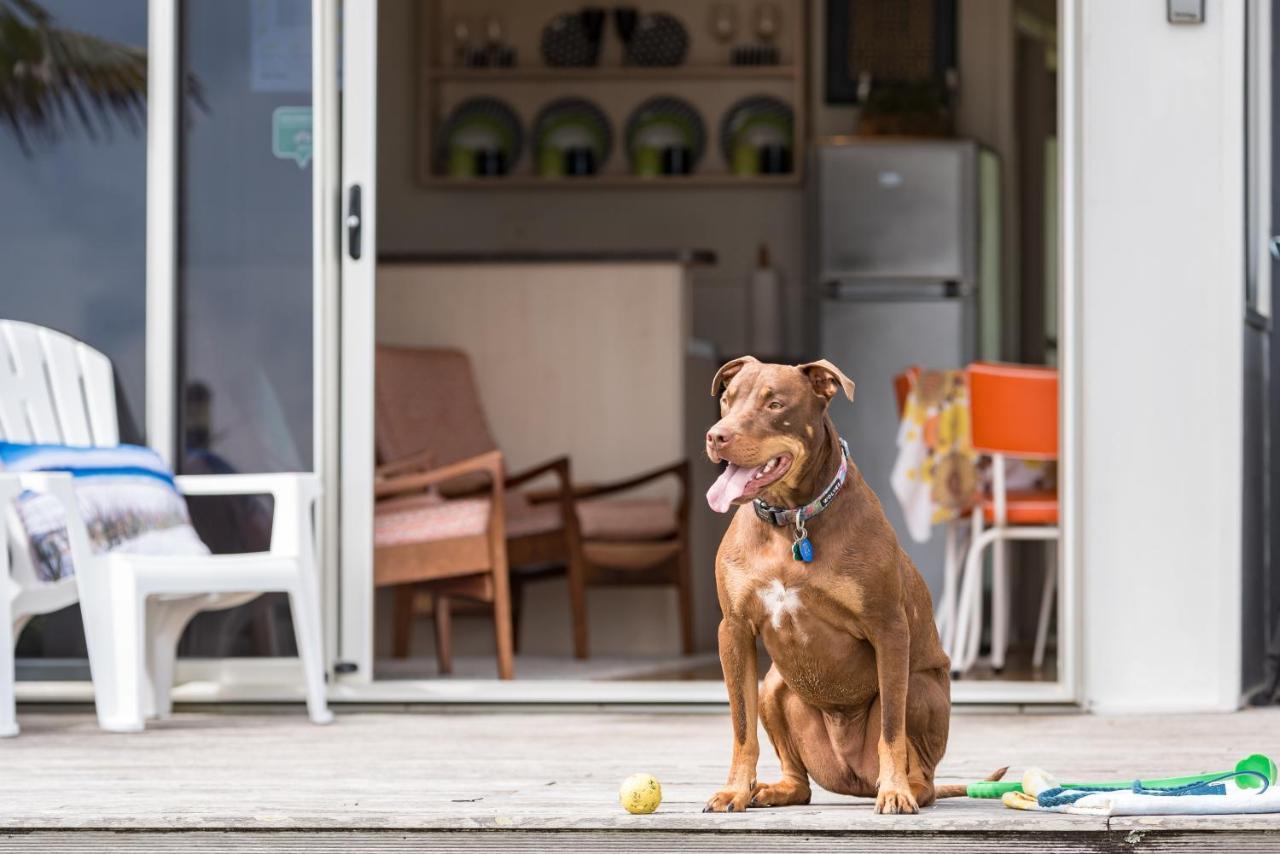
<point>53,78</point>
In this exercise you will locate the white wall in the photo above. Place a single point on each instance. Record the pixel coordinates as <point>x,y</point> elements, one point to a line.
<point>1160,290</point>
<point>548,344</point>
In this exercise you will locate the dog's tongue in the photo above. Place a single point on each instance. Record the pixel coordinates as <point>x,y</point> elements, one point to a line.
<point>728,487</point>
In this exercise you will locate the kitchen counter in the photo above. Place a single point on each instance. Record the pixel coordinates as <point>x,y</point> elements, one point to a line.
<point>684,257</point>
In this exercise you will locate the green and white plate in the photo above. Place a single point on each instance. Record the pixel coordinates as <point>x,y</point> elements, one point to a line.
<point>573,123</point>
<point>665,121</point>
<point>477,124</point>
<point>756,120</point>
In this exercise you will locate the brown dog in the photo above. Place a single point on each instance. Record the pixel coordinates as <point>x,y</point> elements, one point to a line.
<point>859,696</point>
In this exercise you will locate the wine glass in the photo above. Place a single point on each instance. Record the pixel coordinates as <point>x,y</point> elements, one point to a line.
<point>493,31</point>
<point>768,21</point>
<point>460,32</point>
<point>724,22</point>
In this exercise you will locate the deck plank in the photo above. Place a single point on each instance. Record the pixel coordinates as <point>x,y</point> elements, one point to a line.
<point>324,842</point>
<point>555,773</point>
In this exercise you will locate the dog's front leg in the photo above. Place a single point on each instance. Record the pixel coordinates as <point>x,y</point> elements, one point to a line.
<point>738,660</point>
<point>893,671</point>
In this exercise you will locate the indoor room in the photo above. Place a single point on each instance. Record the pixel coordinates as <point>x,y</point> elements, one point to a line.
<point>584,211</point>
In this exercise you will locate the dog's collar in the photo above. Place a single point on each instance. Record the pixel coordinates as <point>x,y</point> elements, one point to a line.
<point>797,516</point>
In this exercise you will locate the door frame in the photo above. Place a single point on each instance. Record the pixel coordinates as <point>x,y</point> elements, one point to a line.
<point>326,166</point>
<point>355,428</point>
<point>1259,437</point>
<point>344,303</point>
<point>260,678</point>
<point>1070,349</point>
<point>161,376</point>
<point>354,344</point>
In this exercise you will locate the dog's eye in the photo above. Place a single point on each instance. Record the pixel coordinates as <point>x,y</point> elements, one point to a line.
<point>777,404</point>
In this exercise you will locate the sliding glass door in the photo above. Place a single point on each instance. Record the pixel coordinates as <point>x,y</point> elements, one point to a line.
<point>452,223</point>
<point>160,205</point>
<point>244,281</point>
<point>73,215</point>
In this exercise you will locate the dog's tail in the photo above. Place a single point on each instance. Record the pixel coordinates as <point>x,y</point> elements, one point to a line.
<point>961,790</point>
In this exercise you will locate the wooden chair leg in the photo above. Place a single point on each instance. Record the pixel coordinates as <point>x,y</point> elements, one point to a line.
<point>502,631</point>
<point>576,576</point>
<point>402,620</point>
<point>684,590</point>
<point>684,580</point>
<point>517,608</point>
<point>575,564</point>
<point>443,620</point>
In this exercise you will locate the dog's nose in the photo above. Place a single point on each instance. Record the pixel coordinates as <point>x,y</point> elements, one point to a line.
<point>717,438</point>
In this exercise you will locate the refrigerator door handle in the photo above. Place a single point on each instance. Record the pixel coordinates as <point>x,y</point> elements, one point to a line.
<point>843,289</point>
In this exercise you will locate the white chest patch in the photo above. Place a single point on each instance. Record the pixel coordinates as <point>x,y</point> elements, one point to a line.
<point>779,601</point>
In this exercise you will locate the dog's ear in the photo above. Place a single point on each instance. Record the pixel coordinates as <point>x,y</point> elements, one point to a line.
<point>728,371</point>
<point>827,379</point>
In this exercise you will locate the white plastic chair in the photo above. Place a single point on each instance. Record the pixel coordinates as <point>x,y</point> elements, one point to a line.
<point>54,389</point>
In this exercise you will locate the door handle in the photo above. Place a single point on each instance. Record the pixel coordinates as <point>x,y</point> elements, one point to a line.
<point>355,224</point>
<point>1274,245</point>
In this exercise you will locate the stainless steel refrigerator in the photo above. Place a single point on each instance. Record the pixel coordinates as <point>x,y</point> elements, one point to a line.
<point>905,262</point>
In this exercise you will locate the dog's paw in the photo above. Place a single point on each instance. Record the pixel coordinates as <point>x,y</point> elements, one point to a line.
<point>784,793</point>
<point>894,800</point>
<point>728,800</point>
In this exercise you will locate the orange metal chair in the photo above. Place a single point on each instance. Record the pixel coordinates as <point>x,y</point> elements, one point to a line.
<point>1014,410</point>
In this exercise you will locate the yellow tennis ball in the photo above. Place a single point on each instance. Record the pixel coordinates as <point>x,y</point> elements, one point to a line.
<point>640,794</point>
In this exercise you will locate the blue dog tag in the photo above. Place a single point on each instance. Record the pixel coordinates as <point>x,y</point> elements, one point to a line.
<point>802,550</point>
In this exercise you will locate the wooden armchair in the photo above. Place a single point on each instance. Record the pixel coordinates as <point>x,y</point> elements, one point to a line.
<point>639,541</point>
<point>449,547</point>
<point>427,403</point>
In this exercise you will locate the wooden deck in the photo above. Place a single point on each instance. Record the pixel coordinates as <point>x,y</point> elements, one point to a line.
<point>538,780</point>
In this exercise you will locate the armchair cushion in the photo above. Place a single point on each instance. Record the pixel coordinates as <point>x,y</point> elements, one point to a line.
<point>429,517</point>
<point>526,518</point>
<point>126,495</point>
<point>627,519</point>
<point>426,518</point>
<point>622,520</point>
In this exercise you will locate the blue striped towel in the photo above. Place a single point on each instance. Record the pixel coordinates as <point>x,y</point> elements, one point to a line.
<point>126,496</point>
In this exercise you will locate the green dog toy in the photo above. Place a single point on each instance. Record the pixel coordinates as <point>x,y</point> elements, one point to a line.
<point>1256,763</point>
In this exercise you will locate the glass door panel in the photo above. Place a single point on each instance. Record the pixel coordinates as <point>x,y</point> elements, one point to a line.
<point>245,283</point>
<point>73,217</point>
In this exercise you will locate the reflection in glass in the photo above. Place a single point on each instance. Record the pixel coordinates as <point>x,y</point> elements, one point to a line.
<point>73,185</point>
<point>245,239</point>
<point>245,286</point>
<point>73,178</point>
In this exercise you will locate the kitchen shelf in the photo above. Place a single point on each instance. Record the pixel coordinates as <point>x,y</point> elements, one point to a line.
<point>616,182</point>
<point>678,73</point>
<point>706,81</point>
